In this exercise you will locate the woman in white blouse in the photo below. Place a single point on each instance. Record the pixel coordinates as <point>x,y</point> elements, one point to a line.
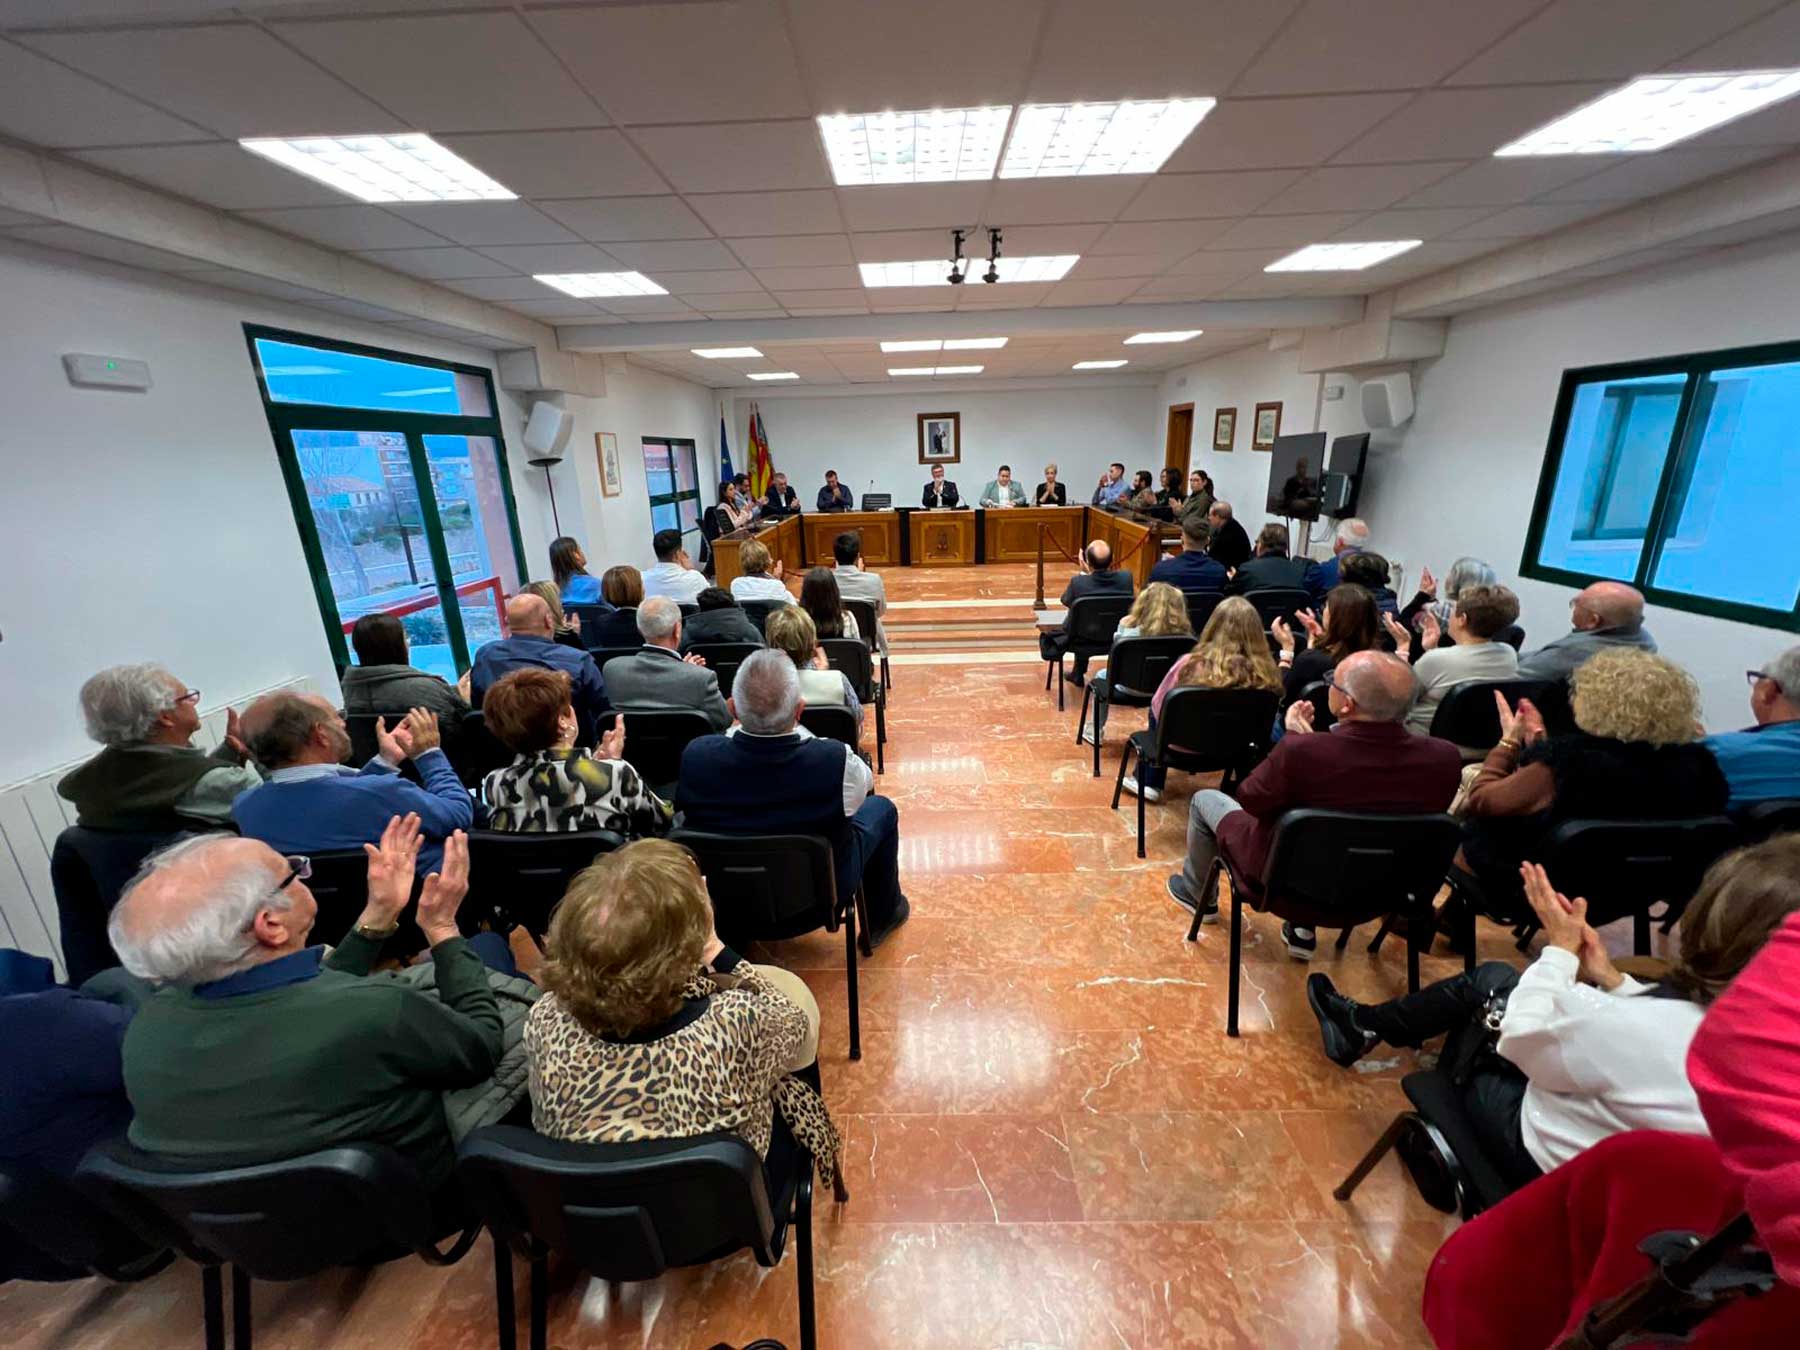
<point>735,511</point>
<point>759,581</point>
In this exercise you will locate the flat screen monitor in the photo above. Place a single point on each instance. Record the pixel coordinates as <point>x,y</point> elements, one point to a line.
<point>1344,474</point>
<point>1296,468</point>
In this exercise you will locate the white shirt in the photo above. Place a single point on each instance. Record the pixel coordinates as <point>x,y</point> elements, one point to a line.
<point>761,588</point>
<point>1599,1063</point>
<point>1443,668</point>
<point>675,581</point>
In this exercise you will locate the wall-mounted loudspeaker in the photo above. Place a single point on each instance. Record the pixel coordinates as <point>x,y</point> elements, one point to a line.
<point>547,433</point>
<point>1387,401</point>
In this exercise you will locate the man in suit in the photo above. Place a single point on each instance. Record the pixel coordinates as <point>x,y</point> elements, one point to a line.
<point>658,676</point>
<point>533,643</point>
<point>1002,491</point>
<point>1606,614</point>
<point>940,491</point>
<point>772,776</point>
<point>856,582</point>
<point>1192,569</point>
<point>1352,537</point>
<point>835,496</point>
<point>1271,569</point>
<point>782,499</point>
<point>1097,577</point>
<point>1230,545</point>
<point>1368,761</point>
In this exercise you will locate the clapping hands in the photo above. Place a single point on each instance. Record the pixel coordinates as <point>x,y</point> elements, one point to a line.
<point>1299,719</point>
<point>1521,727</point>
<point>1284,636</point>
<point>444,891</point>
<point>612,743</point>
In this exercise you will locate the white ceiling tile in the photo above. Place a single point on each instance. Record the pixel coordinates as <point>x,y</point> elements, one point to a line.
<point>690,255</point>
<point>1012,295</point>
<point>604,219</point>
<point>722,282</point>
<point>911,297</point>
<point>347,227</point>
<point>738,157</point>
<point>1166,290</point>
<point>901,245</point>
<point>1650,175</point>
<point>1465,123</point>
<point>1167,237</point>
<point>1102,266</point>
<point>795,251</point>
<point>1150,48</point>
<point>862,57</point>
<point>723,304</point>
<point>74,240</point>
<point>45,104</point>
<point>1061,201</point>
<point>908,206</point>
<point>534,258</point>
<point>438,264</point>
<point>1368,187</point>
<point>1282,231</point>
<point>555,307</point>
<point>1505,182</point>
<point>1331,47</point>
<point>1605,39</point>
<point>1103,291</point>
<point>1226,263</point>
<point>808,278</point>
<point>11,218</point>
<point>1268,286</point>
<point>681,63</point>
<point>450,72</point>
<point>483,223</point>
<point>560,163</point>
<point>1409,224</point>
<point>233,78</point>
<point>1517,222</point>
<point>648,306</point>
<point>1270,133</point>
<point>713,312</point>
<point>1187,195</point>
<point>219,174</point>
<point>805,312</point>
<point>822,297</point>
<point>500,288</point>
<point>356,309</point>
<point>1773,40</point>
<point>769,213</point>
<point>1037,241</point>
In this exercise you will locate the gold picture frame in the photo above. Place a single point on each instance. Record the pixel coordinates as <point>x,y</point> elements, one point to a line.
<point>1266,427</point>
<point>1224,428</point>
<point>606,449</point>
<point>940,438</point>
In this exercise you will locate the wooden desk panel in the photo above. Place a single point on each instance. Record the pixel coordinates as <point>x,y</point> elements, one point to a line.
<point>780,537</point>
<point>942,538</point>
<point>1012,533</point>
<point>880,535</point>
<point>1142,538</point>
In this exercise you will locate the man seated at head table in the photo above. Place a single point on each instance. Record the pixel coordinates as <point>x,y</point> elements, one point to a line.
<point>1050,492</point>
<point>940,491</point>
<point>1098,576</point>
<point>782,499</point>
<point>1113,486</point>
<point>835,496</point>
<point>1002,491</point>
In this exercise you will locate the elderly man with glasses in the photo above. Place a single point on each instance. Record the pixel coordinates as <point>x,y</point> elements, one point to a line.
<point>1762,762</point>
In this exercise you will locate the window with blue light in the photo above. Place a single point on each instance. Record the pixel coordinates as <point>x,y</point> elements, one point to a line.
<point>335,378</point>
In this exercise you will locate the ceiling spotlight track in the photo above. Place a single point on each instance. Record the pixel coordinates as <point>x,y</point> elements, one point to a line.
<point>958,263</point>
<point>993,273</point>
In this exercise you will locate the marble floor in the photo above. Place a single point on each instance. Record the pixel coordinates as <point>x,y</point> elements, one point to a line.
<point>1051,1140</point>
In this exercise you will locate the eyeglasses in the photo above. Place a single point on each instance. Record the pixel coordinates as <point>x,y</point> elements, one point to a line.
<point>192,696</point>
<point>1754,675</point>
<point>299,869</point>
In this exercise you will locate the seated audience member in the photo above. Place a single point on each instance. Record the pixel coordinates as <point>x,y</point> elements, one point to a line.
<point>856,582</point>
<point>1271,569</point>
<point>61,1088</point>
<point>735,511</point>
<point>622,587</point>
<point>568,568</point>
<point>1232,653</point>
<point>659,676</point>
<point>1368,761</point>
<point>1142,496</point>
<point>791,630</point>
<point>1050,492</point>
<point>1634,755</point>
<point>1482,612</point>
<point>1351,537</point>
<point>1171,494</point>
<point>533,643</point>
<point>1762,763</point>
<point>148,777</point>
<point>1159,611</point>
<point>384,681</point>
<point>1370,571</point>
<point>1001,491</point>
<point>1350,624</point>
<point>1584,1052</point>
<point>1197,505</point>
<point>674,574</point>
<point>760,580</point>
<point>1113,487</point>
<point>639,989</point>
<point>553,786</point>
<point>1230,545</point>
<point>1464,574</point>
<point>771,776</point>
<point>1096,577</point>
<point>940,491</point>
<point>721,619</point>
<point>261,1047</point>
<point>1193,569</point>
<point>782,500</point>
<point>820,598</point>
<point>567,626</point>
<point>1607,615</point>
<point>835,496</point>
<point>314,802</point>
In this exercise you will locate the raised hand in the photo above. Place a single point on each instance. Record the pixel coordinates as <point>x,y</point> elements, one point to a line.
<point>1509,720</point>
<point>1429,631</point>
<point>391,747</point>
<point>1299,719</point>
<point>1427,583</point>
<point>612,744</point>
<point>779,569</point>
<point>234,734</point>
<point>1310,621</point>
<point>694,659</point>
<point>1284,636</point>
<point>444,891</point>
<point>422,731</point>
<point>1596,963</point>
<point>391,865</point>
<point>1529,723</point>
<point>1564,920</point>
<point>464,683</point>
<point>572,621</point>
<point>1397,631</point>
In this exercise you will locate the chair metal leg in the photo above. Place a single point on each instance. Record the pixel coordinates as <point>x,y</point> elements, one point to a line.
<point>212,1306</point>
<point>1140,801</point>
<point>1237,958</point>
<point>540,1297</point>
<point>1414,928</point>
<point>887,676</point>
<point>861,901</point>
<point>850,964</point>
<point>1640,932</point>
<point>1119,782</point>
<point>1469,939</point>
<point>1087,697</point>
<point>880,730</point>
<point>240,1309</point>
<point>1343,940</point>
<point>1208,887</point>
<point>1059,682</point>
<point>803,1242</point>
<point>1387,926</point>
<point>1099,731</point>
<point>1389,1137</point>
<point>1049,668</point>
<point>503,1293</point>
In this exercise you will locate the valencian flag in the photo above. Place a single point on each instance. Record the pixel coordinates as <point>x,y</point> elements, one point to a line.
<point>724,449</point>
<point>762,468</point>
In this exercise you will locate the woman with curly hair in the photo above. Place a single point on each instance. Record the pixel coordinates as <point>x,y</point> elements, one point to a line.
<point>640,991</point>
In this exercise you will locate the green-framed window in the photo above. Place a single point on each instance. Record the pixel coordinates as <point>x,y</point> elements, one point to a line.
<point>396,471</point>
<point>672,475</point>
<point>1677,475</point>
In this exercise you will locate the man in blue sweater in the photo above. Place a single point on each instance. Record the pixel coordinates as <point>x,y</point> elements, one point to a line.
<point>1762,763</point>
<point>314,802</point>
<point>1193,569</point>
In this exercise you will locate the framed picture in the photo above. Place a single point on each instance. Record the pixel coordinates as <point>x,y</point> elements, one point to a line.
<point>940,438</point>
<point>1224,427</point>
<point>1267,426</point>
<point>606,445</point>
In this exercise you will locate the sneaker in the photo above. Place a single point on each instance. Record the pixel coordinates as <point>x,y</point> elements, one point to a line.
<point>1345,1042</point>
<point>1178,892</point>
<point>1132,786</point>
<point>1301,943</point>
<point>1087,736</point>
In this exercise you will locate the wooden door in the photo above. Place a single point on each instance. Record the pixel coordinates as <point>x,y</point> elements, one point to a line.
<point>1181,437</point>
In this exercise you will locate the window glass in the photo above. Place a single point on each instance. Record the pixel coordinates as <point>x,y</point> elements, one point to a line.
<point>465,476</point>
<point>672,478</point>
<point>296,373</point>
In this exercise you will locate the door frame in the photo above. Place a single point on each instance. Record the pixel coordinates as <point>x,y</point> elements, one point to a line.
<point>1178,451</point>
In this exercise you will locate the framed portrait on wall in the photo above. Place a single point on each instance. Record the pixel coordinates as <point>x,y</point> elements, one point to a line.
<point>940,438</point>
<point>606,446</point>
<point>1224,427</point>
<point>1266,427</point>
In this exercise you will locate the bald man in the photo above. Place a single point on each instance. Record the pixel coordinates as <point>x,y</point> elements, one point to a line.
<point>1098,576</point>
<point>532,642</point>
<point>262,1047</point>
<point>1368,761</point>
<point>1606,614</point>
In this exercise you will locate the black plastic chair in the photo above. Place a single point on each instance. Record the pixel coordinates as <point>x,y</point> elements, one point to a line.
<point>602,655</point>
<point>364,745</point>
<point>591,628</point>
<point>1135,668</point>
<point>853,659</point>
<point>863,611</point>
<point>1202,731</point>
<point>1279,602</point>
<point>831,722</point>
<point>88,871</point>
<point>1439,1147</point>
<point>758,611</point>
<point>724,658</point>
<point>520,877</point>
<point>51,1230</point>
<point>340,884</point>
<point>591,616</point>
<point>1765,820</point>
<point>1087,631</point>
<point>632,1211</point>
<point>1625,867</point>
<point>1338,869</point>
<point>353,1205</point>
<point>1200,607</point>
<point>1467,717</point>
<point>770,887</point>
<point>654,740</point>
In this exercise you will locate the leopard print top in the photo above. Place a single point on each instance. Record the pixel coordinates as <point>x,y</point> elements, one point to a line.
<point>554,791</point>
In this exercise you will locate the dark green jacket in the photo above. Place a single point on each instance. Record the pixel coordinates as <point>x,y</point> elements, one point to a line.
<point>343,1056</point>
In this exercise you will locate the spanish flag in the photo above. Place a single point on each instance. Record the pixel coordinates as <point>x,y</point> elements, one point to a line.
<point>762,468</point>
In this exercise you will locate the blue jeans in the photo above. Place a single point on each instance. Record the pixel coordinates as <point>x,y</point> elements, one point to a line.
<point>871,856</point>
<point>494,953</point>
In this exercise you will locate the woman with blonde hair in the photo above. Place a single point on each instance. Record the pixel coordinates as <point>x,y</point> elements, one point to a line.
<point>1159,611</point>
<point>568,626</point>
<point>759,581</point>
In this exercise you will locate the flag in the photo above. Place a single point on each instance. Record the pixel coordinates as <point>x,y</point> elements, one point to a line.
<point>762,467</point>
<point>724,449</point>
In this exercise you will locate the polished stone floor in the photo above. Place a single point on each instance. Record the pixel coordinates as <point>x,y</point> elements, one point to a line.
<point>1051,1140</point>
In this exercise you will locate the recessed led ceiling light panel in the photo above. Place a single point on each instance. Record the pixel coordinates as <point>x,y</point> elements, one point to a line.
<point>774,374</point>
<point>1097,365</point>
<point>403,168</point>
<point>935,271</point>
<point>960,370</point>
<point>1341,257</point>
<point>587,285</point>
<point>914,345</point>
<point>1063,140</point>
<point>1184,335</point>
<point>973,344</point>
<point>936,370</point>
<point>723,353</point>
<point>938,145</point>
<point>1655,111</point>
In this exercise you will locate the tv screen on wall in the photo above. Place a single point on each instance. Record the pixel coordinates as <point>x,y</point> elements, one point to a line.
<point>1296,473</point>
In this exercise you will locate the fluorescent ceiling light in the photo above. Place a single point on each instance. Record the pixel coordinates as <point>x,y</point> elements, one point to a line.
<point>723,353</point>
<point>1184,335</point>
<point>936,370</point>
<point>1341,257</point>
<point>1098,365</point>
<point>938,145</point>
<point>960,370</point>
<point>914,345</point>
<point>943,344</point>
<point>403,168</point>
<point>587,285</point>
<point>935,272</point>
<point>972,344</point>
<point>1061,140</point>
<point>774,374</point>
<point>1655,111</point>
